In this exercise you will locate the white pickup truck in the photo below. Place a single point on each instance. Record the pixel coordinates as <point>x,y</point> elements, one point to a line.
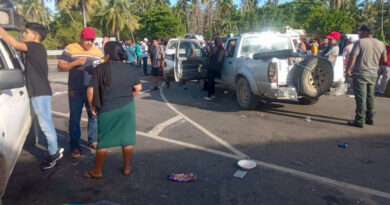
<point>15,116</point>
<point>262,65</point>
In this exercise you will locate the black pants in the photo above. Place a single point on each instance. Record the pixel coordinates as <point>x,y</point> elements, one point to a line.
<point>211,74</point>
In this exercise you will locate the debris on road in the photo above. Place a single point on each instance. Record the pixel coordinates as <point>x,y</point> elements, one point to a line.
<point>244,116</point>
<point>351,96</point>
<point>247,164</point>
<point>183,177</point>
<point>308,119</point>
<point>343,145</point>
<point>261,114</point>
<point>226,92</point>
<point>239,174</point>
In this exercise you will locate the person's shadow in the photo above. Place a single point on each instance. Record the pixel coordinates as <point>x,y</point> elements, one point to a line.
<point>36,143</point>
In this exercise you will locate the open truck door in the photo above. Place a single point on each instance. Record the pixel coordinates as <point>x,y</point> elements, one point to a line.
<point>190,62</point>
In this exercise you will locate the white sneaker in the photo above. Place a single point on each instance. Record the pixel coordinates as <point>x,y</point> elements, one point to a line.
<point>208,98</point>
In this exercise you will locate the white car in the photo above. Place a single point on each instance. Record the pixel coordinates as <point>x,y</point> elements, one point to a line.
<point>15,116</point>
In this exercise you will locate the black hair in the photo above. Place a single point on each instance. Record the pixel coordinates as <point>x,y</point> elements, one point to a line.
<point>38,28</point>
<point>369,28</point>
<point>115,50</point>
<point>155,38</point>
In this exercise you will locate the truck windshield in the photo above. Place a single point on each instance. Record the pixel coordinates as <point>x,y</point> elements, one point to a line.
<point>264,44</point>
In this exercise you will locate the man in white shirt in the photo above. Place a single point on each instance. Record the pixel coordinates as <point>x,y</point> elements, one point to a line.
<point>144,51</point>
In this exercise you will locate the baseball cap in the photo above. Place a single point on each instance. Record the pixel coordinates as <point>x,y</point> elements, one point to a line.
<point>145,39</point>
<point>88,33</point>
<point>334,34</point>
<point>368,28</point>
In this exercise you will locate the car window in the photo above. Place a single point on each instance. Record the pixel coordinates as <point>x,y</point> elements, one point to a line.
<point>264,44</point>
<point>6,57</point>
<point>172,45</point>
<point>231,47</point>
<point>187,49</point>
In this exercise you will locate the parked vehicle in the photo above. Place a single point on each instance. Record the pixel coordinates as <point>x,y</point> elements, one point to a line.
<point>15,116</point>
<point>263,65</point>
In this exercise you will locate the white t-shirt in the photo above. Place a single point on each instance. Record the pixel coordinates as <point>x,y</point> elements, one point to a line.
<point>144,50</point>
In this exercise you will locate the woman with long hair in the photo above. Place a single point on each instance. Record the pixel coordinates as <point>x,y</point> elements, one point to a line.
<point>111,95</point>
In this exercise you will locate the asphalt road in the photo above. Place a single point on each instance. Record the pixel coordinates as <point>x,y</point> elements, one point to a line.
<point>299,161</point>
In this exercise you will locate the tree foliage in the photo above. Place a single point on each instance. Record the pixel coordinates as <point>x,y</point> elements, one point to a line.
<point>160,22</point>
<point>129,19</point>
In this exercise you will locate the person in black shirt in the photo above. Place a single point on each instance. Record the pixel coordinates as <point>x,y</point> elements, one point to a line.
<point>111,95</point>
<point>37,84</point>
<point>216,57</point>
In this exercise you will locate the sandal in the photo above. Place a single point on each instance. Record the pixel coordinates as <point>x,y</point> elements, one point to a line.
<point>89,175</point>
<point>75,154</point>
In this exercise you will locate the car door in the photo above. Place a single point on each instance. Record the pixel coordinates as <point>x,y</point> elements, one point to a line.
<point>170,53</point>
<point>190,62</point>
<point>227,71</point>
<point>15,117</point>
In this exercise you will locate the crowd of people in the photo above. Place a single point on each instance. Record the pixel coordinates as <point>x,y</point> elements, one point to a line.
<point>105,83</point>
<point>340,44</point>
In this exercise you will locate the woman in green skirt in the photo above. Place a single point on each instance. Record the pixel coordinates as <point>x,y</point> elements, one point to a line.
<point>111,95</point>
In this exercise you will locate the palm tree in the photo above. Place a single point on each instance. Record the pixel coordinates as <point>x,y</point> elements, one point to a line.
<point>85,6</point>
<point>33,10</point>
<point>184,7</point>
<point>116,17</point>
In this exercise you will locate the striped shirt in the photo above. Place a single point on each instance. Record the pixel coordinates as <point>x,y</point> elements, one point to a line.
<point>80,77</point>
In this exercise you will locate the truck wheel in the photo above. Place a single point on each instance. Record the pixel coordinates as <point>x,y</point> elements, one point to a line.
<point>314,76</point>
<point>308,100</point>
<point>244,95</point>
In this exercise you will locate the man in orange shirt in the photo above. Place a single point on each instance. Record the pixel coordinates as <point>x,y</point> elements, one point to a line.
<point>79,60</point>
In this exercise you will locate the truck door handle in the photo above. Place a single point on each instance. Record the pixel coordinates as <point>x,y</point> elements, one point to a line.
<point>230,62</point>
<point>21,93</point>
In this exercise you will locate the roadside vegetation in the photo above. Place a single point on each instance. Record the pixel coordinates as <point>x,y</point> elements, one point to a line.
<point>136,19</point>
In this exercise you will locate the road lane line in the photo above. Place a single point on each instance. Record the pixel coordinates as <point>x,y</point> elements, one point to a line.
<point>323,180</point>
<point>160,127</point>
<point>207,132</point>
<point>60,93</point>
<point>185,144</point>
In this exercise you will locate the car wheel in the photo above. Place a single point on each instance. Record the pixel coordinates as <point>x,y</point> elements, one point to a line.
<point>308,100</point>
<point>315,76</point>
<point>244,95</point>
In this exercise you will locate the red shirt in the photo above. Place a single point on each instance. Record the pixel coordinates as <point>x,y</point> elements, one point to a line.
<point>388,57</point>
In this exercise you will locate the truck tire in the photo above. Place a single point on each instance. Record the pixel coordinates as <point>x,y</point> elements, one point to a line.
<point>308,100</point>
<point>244,95</point>
<point>314,76</point>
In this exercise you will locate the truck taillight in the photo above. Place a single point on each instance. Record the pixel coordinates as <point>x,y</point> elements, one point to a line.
<point>273,72</point>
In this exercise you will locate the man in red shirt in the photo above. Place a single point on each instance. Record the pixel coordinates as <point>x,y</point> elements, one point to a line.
<point>383,74</point>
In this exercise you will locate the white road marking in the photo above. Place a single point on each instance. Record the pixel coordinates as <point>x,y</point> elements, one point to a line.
<point>207,132</point>
<point>60,93</point>
<point>293,172</point>
<point>160,127</point>
<point>185,144</point>
<point>323,180</point>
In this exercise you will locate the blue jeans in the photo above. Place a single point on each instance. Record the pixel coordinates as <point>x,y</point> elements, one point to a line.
<point>139,61</point>
<point>77,100</point>
<point>145,61</point>
<point>42,109</point>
